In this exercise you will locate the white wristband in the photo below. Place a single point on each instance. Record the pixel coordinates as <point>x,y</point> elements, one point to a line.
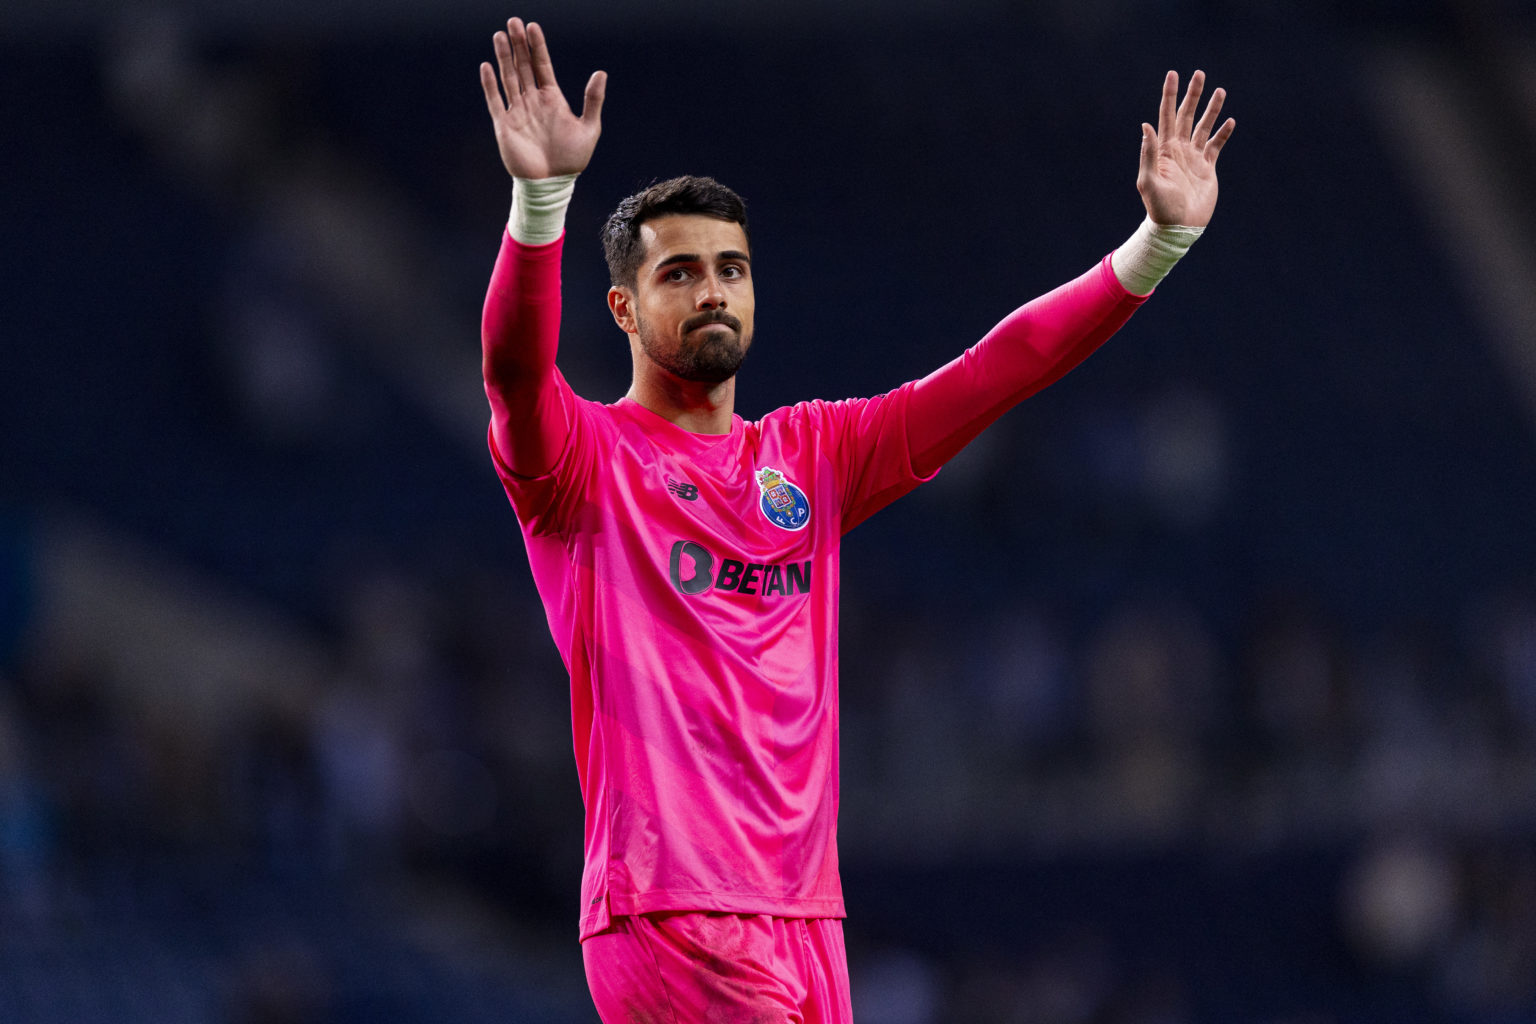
<point>538,208</point>
<point>1148,255</point>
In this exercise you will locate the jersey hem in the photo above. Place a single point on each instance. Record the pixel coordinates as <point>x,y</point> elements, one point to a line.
<point>599,915</point>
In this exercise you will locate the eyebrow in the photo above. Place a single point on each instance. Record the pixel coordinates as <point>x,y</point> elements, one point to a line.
<point>693,257</point>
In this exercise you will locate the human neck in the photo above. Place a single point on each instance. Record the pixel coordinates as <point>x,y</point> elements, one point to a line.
<point>697,408</point>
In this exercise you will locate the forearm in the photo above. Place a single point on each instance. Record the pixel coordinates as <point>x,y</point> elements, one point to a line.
<point>1038,344</point>
<point>520,329</point>
<point>1030,349</point>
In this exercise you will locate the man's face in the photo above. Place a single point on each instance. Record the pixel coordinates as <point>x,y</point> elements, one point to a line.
<point>693,298</point>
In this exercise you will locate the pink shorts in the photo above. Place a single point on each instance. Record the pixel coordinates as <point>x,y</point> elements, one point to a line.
<point>698,967</point>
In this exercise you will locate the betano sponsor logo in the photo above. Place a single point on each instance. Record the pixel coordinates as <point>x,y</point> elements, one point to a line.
<point>770,579</point>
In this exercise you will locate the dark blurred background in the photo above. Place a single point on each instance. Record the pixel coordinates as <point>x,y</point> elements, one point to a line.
<point>1201,689</point>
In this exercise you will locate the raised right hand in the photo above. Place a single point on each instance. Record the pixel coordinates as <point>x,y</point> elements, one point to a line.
<point>536,132</point>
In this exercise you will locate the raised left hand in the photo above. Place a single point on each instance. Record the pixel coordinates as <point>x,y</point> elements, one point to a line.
<point>1177,176</point>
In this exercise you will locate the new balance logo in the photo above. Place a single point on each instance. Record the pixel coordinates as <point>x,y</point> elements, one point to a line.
<point>688,492</point>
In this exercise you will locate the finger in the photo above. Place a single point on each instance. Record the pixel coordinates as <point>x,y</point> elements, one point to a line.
<point>1186,122</point>
<point>1147,165</point>
<point>522,60</point>
<point>592,99</point>
<point>507,64</point>
<point>493,101</point>
<point>538,48</point>
<point>503,45</point>
<point>1213,148</point>
<point>1165,110</point>
<point>1212,112</point>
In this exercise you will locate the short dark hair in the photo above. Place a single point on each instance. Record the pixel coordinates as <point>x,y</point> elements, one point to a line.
<point>687,194</point>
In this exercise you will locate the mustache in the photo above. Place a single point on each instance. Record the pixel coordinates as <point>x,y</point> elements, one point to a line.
<point>713,316</point>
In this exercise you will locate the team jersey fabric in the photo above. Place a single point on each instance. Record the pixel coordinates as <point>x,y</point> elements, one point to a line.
<point>691,586</point>
<point>682,968</point>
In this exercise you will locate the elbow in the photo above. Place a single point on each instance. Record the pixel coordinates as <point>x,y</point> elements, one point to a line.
<point>506,373</point>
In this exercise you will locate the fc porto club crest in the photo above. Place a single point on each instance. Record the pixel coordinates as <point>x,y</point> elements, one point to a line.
<point>782,502</point>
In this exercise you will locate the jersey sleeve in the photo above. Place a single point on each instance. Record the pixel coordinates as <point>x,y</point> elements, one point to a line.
<point>1033,347</point>
<point>885,446</point>
<point>866,439</point>
<point>519,334</point>
<point>534,413</point>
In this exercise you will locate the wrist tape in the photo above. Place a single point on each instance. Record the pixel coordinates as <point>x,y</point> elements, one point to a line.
<point>538,208</point>
<point>1148,255</point>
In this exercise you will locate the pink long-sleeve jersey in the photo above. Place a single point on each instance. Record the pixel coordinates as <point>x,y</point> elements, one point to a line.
<point>691,585</point>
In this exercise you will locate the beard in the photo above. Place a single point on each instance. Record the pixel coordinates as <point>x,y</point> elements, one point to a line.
<point>704,357</point>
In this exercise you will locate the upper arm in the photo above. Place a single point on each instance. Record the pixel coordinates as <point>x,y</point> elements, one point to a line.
<point>868,441</point>
<point>1030,349</point>
<point>531,423</point>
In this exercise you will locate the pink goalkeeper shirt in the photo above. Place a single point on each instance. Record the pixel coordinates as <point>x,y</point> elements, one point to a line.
<point>691,586</point>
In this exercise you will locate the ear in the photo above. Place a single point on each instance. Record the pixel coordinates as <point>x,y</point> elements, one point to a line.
<point>621,303</point>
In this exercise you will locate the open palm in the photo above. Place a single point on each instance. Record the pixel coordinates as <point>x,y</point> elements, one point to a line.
<point>538,135</point>
<point>1177,176</point>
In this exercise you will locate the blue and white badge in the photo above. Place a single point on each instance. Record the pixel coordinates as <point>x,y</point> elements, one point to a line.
<point>782,502</point>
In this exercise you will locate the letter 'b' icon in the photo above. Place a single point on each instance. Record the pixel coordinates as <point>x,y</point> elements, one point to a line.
<point>703,567</point>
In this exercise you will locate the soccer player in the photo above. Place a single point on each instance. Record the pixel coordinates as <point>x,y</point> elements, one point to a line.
<point>688,560</point>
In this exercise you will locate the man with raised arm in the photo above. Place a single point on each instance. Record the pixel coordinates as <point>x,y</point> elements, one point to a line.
<point>688,560</point>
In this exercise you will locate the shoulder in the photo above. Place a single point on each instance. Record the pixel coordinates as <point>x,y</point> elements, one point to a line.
<point>811,412</point>
<point>829,415</point>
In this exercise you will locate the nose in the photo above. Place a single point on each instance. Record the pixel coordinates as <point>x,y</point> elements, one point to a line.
<point>711,293</point>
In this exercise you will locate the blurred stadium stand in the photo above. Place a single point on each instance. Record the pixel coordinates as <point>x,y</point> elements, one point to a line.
<point>1202,689</point>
